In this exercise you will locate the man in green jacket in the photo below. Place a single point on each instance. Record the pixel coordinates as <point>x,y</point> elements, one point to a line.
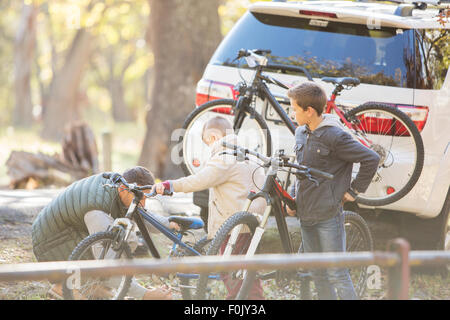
<point>61,225</point>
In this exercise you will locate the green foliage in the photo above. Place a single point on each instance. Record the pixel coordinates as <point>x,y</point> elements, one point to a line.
<point>119,26</point>
<point>121,52</point>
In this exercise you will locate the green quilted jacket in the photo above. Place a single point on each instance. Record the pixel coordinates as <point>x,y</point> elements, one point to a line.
<point>60,226</point>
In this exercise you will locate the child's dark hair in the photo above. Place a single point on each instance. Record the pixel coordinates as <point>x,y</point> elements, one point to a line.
<point>139,175</point>
<point>309,94</point>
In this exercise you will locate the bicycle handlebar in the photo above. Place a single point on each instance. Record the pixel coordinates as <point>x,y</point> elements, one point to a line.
<point>116,178</point>
<point>246,53</point>
<point>259,55</point>
<point>290,68</point>
<point>312,171</point>
<point>268,161</point>
<point>245,151</point>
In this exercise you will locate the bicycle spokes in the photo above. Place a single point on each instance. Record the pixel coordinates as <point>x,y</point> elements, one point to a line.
<point>391,135</point>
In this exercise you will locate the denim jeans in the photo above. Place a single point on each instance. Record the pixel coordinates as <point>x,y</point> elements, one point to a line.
<point>329,236</point>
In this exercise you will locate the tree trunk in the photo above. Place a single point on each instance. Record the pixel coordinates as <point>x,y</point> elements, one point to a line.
<point>25,43</point>
<point>119,107</point>
<point>183,36</point>
<point>61,106</point>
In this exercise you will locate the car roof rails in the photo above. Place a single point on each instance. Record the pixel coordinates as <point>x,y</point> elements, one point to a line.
<point>406,7</point>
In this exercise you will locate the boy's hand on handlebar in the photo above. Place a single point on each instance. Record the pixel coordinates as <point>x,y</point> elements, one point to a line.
<point>162,188</point>
<point>159,188</point>
<point>347,197</point>
<point>290,212</point>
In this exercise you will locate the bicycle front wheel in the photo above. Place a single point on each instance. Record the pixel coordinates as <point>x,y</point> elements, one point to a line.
<point>229,285</point>
<point>98,246</point>
<point>357,238</point>
<point>187,281</point>
<point>253,133</point>
<point>396,139</point>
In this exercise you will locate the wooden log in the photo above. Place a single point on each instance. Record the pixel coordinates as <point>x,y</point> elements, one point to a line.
<point>79,159</point>
<point>80,148</point>
<point>43,168</point>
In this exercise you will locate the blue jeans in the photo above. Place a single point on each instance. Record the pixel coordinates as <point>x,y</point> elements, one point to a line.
<point>329,236</point>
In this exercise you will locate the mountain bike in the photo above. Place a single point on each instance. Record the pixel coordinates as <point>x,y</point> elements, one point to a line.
<point>380,127</point>
<point>225,242</point>
<point>112,244</point>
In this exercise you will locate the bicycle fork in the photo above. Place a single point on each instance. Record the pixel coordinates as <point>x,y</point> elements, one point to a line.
<point>127,226</point>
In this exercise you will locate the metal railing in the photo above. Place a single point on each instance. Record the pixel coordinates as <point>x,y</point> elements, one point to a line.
<point>398,259</point>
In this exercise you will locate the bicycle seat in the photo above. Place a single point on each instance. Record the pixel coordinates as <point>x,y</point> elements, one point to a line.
<point>344,81</point>
<point>187,223</point>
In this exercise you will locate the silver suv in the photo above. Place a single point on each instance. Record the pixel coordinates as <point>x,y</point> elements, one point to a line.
<point>400,53</point>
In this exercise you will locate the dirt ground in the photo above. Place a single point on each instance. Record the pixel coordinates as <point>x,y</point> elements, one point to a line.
<point>15,247</point>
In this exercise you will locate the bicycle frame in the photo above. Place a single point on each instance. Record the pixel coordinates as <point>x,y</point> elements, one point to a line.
<point>272,192</point>
<point>137,213</point>
<point>331,106</point>
<point>262,90</point>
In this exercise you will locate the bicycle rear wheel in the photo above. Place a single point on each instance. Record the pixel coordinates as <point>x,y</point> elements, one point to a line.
<point>396,139</point>
<point>253,133</point>
<point>229,285</point>
<point>98,246</point>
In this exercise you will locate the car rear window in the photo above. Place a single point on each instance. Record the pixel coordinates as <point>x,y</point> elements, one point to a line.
<point>432,57</point>
<point>376,56</point>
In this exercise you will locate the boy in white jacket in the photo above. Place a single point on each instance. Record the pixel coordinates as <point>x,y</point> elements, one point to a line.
<point>229,181</point>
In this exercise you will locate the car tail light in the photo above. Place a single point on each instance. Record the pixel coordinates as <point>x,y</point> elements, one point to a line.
<point>417,114</point>
<point>202,92</point>
<point>208,90</point>
<point>223,110</point>
<point>318,14</point>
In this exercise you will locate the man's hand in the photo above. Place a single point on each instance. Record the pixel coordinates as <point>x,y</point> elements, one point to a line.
<point>347,197</point>
<point>174,226</point>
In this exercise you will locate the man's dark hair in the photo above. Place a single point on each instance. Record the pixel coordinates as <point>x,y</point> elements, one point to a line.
<point>309,94</point>
<point>139,175</point>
